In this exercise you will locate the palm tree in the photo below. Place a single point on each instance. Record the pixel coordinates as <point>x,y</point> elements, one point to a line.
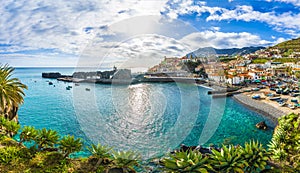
<point>28,133</point>
<point>69,145</point>
<point>189,161</point>
<point>11,92</point>
<point>46,138</point>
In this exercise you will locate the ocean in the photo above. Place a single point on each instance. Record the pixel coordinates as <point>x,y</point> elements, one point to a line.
<point>150,118</point>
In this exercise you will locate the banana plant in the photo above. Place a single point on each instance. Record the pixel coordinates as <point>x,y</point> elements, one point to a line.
<point>228,160</point>
<point>188,161</point>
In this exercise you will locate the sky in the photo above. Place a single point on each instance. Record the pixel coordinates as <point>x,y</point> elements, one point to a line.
<point>129,33</point>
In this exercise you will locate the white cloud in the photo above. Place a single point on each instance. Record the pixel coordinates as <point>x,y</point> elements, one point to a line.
<point>287,20</point>
<point>223,40</point>
<point>295,2</point>
<point>142,51</point>
<point>62,24</point>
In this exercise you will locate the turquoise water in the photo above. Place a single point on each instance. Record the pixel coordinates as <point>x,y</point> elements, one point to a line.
<point>148,118</point>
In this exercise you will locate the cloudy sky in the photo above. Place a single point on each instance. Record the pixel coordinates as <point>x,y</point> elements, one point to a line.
<point>136,32</point>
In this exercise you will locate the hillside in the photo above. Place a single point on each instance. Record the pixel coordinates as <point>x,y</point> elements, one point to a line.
<point>290,44</point>
<point>228,52</point>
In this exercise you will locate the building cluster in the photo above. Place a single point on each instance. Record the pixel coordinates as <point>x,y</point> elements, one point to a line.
<point>273,53</point>
<point>173,66</point>
<point>238,72</point>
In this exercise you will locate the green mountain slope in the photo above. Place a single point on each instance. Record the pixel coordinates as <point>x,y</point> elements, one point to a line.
<point>293,44</point>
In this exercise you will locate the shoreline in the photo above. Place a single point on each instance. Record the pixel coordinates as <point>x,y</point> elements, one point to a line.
<point>260,107</point>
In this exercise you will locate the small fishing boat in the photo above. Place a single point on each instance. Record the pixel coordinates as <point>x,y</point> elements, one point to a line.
<point>256,96</point>
<point>281,104</point>
<point>68,88</point>
<point>87,89</point>
<point>297,105</point>
<point>255,89</point>
<point>295,100</point>
<point>50,83</point>
<point>274,98</point>
<point>278,91</point>
<point>291,106</point>
<point>247,90</point>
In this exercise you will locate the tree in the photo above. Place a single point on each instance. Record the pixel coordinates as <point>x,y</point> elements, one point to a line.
<point>46,138</point>
<point>11,92</point>
<point>28,133</point>
<point>69,145</point>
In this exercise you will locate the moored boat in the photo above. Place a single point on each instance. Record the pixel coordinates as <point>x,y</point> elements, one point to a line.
<point>274,98</point>
<point>257,96</point>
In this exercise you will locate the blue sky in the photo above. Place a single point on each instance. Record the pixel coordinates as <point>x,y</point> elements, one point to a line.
<point>136,32</point>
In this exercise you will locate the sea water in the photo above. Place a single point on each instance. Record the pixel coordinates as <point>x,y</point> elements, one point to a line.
<point>150,118</point>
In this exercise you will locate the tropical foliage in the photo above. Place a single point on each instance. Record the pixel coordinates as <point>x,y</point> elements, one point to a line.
<point>229,159</point>
<point>46,138</point>
<point>11,92</point>
<point>125,160</point>
<point>255,155</point>
<point>9,128</point>
<point>285,144</point>
<point>28,134</point>
<point>69,145</point>
<point>189,161</point>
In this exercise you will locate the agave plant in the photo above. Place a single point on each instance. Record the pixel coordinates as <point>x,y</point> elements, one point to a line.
<point>46,138</point>
<point>28,133</point>
<point>69,145</point>
<point>228,160</point>
<point>189,161</point>
<point>285,144</point>
<point>255,156</point>
<point>125,160</point>
<point>100,152</point>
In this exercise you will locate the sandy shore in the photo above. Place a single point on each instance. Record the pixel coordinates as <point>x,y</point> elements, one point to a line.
<point>265,106</point>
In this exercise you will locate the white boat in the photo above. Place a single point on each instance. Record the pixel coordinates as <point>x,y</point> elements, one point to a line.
<point>291,106</point>
<point>281,104</point>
